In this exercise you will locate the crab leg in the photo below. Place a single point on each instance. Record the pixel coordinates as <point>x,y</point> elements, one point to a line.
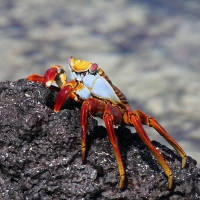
<point>150,121</point>
<point>36,78</point>
<point>89,107</point>
<point>86,107</point>
<point>136,122</point>
<point>111,115</point>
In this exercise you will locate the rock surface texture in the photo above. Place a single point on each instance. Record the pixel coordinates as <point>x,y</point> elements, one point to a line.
<point>40,154</point>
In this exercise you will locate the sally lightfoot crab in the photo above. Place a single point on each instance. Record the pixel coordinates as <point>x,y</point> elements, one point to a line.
<point>90,86</point>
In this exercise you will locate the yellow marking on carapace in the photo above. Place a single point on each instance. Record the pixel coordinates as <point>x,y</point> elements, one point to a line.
<point>80,65</point>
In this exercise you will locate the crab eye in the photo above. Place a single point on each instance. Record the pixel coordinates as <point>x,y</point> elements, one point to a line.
<point>93,68</point>
<point>70,60</point>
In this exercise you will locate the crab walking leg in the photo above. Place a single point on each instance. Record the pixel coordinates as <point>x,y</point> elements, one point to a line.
<point>150,121</point>
<point>111,113</point>
<point>36,78</point>
<point>84,121</point>
<point>92,107</point>
<point>141,132</point>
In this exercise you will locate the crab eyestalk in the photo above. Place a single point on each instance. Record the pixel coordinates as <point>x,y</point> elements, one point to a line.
<point>71,60</point>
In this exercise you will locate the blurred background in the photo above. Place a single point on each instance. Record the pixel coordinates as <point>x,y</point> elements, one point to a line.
<point>150,50</point>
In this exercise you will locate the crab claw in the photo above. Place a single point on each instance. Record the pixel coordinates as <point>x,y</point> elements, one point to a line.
<point>62,96</point>
<point>50,76</point>
<point>55,74</point>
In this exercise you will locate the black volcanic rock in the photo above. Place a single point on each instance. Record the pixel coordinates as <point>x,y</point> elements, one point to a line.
<point>40,154</point>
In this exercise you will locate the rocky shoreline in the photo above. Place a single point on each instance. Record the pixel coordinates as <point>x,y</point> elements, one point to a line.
<point>149,49</point>
<point>40,154</point>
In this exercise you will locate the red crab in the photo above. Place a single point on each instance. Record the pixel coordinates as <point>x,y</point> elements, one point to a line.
<point>90,86</point>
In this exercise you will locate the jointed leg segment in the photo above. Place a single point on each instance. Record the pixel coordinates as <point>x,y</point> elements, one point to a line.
<point>141,132</point>
<point>108,112</point>
<point>152,122</point>
<point>109,122</point>
<point>112,114</point>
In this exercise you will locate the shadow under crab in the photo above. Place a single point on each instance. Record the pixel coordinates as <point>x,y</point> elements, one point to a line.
<point>40,154</point>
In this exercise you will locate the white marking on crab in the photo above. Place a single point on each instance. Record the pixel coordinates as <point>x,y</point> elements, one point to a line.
<point>100,87</point>
<point>48,83</point>
<point>96,85</point>
<point>84,93</point>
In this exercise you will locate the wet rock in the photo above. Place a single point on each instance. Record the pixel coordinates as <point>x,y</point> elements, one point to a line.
<point>40,154</point>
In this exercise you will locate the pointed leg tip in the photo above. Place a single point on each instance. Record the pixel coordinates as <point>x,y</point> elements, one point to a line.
<point>170,187</point>
<point>170,182</point>
<point>122,182</point>
<point>57,106</point>
<point>56,111</point>
<point>184,162</point>
<point>83,158</point>
<point>83,162</point>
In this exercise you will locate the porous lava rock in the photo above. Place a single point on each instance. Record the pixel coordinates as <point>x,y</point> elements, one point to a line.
<point>40,154</point>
